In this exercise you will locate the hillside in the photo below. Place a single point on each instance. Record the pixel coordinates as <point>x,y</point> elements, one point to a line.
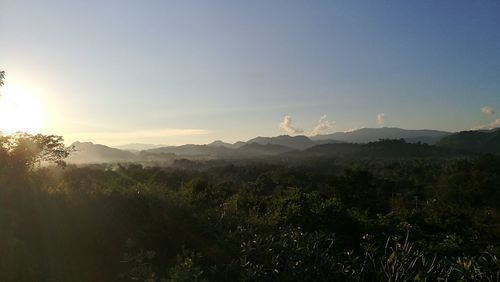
<point>256,149</point>
<point>366,135</point>
<point>473,141</point>
<point>88,152</point>
<point>219,143</point>
<point>383,149</point>
<point>299,142</point>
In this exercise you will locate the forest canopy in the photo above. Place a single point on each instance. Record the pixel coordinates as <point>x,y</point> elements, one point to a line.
<point>318,220</point>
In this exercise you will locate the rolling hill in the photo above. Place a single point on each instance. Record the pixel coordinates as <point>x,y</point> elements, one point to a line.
<point>364,143</point>
<point>88,152</point>
<point>383,149</point>
<point>474,141</point>
<point>257,150</point>
<point>299,142</point>
<point>366,135</point>
<point>219,143</point>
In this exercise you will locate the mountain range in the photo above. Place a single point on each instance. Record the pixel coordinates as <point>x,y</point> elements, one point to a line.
<point>368,142</point>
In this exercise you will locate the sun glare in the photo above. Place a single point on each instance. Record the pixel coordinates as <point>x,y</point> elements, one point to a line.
<point>19,110</point>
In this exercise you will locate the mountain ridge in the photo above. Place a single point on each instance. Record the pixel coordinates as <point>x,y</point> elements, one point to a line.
<point>479,141</point>
<point>366,135</point>
<point>88,152</point>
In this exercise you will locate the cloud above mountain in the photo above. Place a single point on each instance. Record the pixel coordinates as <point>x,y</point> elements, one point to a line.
<point>286,125</point>
<point>487,110</point>
<point>491,125</point>
<point>323,125</point>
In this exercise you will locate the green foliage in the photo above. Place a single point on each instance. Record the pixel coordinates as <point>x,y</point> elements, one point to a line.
<point>246,221</point>
<point>138,264</point>
<point>186,268</point>
<point>24,151</point>
<point>288,254</point>
<point>403,262</point>
<point>473,141</point>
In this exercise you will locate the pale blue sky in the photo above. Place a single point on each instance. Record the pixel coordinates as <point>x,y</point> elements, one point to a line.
<point>136,71</point>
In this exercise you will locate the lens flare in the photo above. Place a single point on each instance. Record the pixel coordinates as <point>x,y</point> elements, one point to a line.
<point>20,110</point>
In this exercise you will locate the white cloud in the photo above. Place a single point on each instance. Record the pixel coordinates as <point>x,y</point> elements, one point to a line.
<point>380,118</point>
<point>487,110</point>
<point>352,129</point>
<point>323,125</point>
<point>491,125</point>
<point>286,125</point>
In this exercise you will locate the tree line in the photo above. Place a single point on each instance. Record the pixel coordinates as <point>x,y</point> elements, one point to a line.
<point>372,220</point>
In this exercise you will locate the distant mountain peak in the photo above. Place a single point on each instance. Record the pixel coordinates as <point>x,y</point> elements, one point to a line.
<point>299,142</point>
<point>88,152</point>
<point>220,143</point>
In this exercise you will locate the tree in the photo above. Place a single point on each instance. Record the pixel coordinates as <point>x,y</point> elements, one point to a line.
<point>2,77</point>
<point>30,150</point>
<point>24,150</point>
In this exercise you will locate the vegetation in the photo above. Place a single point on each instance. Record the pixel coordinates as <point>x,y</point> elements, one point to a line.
<point>317,220</point>
<point>485,141</point>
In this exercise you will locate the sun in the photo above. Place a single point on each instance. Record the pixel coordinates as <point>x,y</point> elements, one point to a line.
<point>19,110</point>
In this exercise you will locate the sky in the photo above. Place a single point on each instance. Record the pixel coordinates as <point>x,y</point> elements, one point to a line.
<point>175,72</point>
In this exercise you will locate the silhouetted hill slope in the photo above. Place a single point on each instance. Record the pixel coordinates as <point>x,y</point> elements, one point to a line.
<point>383,149</point>
<point>218,150</point>
<point>401,149</point>
<point>88,152</point>
<point>299,142</point>
<point>302,146</point>
<point>256,149</point>
<point>219,143</point>
<point>366,135</point>
<point>473,141</point>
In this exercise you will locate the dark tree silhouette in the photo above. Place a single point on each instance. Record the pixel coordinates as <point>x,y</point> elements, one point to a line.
<point>2,77</point>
